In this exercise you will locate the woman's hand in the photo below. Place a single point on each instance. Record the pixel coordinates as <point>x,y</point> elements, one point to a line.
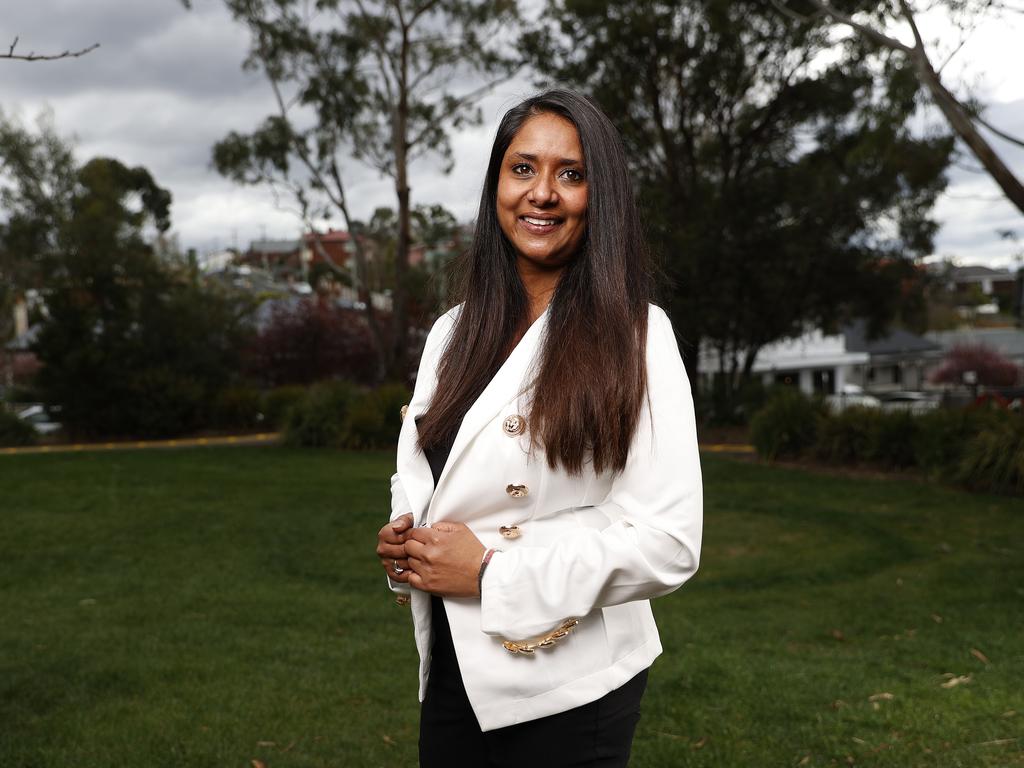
<point>445,559</point>
<point>391,548</point>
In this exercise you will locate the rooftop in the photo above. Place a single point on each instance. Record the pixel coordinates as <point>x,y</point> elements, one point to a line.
<point>895,341</point>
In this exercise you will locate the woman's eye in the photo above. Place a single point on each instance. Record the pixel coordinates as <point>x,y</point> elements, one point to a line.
<point>520,169</point>
<point>572,174</point>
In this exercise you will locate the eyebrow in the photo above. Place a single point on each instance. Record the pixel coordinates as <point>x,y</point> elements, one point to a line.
<point>561,160</point>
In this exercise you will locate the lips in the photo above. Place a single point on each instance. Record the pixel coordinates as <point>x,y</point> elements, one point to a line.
<point>539,225</point>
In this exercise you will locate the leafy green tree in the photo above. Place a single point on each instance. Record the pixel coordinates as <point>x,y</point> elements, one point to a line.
<point>37,181</point>
<point>782,189</point>
<point>130,345</point>
<point>433,228</point>
<point>381,81</point>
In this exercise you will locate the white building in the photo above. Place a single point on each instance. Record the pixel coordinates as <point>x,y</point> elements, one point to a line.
<point>828,363</point>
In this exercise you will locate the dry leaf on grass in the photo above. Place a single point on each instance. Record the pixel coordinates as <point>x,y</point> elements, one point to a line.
<point>258,764</point>
<point>837,634</point>
<point>387,739</point>
<point>979,656</point>
<point>936,618</point>
<point>884,696</point>
<point>266,743</point>
<point>953,682</point>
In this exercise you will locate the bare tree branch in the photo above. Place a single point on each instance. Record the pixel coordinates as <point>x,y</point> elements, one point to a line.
<point>1001,134</point>
<point>871,33</point>
<point>33,56</point>
<point>960,118</point>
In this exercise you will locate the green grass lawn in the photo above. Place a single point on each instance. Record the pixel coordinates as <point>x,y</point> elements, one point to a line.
<point>212,607</point>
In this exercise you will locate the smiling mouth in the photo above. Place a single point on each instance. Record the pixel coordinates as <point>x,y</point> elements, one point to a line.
<point>539,225</point>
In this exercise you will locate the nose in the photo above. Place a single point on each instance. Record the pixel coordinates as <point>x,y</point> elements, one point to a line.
<point>542,192</point>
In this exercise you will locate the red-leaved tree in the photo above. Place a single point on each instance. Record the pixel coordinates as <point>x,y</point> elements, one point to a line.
<point>990,367</point>
<point>310,341</point>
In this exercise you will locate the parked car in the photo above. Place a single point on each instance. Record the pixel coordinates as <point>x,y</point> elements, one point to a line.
<point>37,415</point>
<point>839,403</point>
<point>915,402</point>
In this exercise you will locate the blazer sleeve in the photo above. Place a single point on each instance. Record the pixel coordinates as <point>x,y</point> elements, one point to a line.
<point>655,504</point>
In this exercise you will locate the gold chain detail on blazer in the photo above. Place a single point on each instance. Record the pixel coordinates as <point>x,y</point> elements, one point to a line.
<point>529,646</point>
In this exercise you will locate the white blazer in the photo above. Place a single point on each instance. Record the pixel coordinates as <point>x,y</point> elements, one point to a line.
<point>593,547</point>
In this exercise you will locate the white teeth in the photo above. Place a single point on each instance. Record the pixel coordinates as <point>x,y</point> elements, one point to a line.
<point>540,222</point>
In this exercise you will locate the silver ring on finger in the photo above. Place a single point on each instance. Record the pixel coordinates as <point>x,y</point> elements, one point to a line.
<point>398,569</point>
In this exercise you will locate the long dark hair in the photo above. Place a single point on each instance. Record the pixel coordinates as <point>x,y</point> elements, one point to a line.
<point>592,378</point>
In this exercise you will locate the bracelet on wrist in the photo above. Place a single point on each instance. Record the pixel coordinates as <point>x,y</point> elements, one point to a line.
<point>484,562</point>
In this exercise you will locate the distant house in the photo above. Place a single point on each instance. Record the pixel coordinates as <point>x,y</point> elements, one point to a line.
<point>897,360</point>
<point>216,261</point>
<point>994,283</point>
<point>275,256</point>
<point>1003,288</point>
<point>833,363</point>
<point>335,244</point>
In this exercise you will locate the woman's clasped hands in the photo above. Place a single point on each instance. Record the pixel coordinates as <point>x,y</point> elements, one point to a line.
<point>443,559</point>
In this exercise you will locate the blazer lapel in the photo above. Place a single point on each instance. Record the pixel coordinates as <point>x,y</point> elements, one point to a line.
<point>508,383</point>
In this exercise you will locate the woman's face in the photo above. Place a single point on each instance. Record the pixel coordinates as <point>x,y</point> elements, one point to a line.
<point>542,193</point>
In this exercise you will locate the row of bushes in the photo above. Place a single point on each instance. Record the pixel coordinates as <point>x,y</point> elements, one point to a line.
<point>983,448</point>
<point>339,414</point>
<point>336,414</point>
<point>297,410</point>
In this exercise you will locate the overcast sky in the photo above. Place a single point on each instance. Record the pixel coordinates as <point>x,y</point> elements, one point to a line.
<point>167,83</point>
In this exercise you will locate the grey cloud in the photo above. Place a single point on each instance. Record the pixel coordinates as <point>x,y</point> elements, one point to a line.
<point>167,83</point>
<point>153,45</point>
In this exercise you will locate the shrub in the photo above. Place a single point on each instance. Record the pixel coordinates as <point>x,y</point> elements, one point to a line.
<point>340,415</point>
<point>375,418</point>
<point>725,406</point>
<point>848,437</point>
<point>155,402</point>
<point>322,418</point>
<point>278,402</point>
<point>14,431</point>
<point>787,425</point>
<point>894,439</point>
<point>994,459</point>
<point>942,436</point>
<point>237,407</point>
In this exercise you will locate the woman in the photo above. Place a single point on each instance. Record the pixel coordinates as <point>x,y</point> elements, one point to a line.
<point>548,478</point>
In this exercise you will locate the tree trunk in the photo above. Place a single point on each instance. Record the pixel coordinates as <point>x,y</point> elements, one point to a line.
<point>399,308</point>
<point>961,122</point>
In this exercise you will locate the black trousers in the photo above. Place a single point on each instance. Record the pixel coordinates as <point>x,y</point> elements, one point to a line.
<point>595,735</point>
